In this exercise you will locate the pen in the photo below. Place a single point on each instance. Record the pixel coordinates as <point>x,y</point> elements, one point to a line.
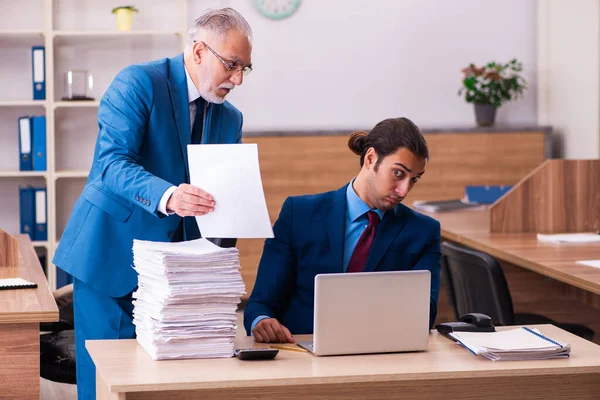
<point>280,347</point>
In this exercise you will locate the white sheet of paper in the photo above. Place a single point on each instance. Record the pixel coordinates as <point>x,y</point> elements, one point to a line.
<point>585,237</point>
<point>590,263</point>
<point>230,172</point>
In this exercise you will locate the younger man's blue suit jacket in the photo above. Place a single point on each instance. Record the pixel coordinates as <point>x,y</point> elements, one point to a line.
<point>309,240</point>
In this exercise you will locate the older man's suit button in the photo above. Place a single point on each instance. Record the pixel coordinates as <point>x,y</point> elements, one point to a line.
<point>170,234</point>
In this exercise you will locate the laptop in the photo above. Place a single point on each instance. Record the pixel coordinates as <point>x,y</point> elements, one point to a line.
<point>370,312</point>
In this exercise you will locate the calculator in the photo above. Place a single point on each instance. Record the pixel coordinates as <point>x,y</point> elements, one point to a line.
<point>258,353</point>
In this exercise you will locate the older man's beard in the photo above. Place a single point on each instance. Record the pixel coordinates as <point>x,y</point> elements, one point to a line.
<point>209,92</point>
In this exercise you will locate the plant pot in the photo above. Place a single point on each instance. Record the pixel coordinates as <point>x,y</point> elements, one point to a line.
<point>485,114</point>
<point>124,19</point>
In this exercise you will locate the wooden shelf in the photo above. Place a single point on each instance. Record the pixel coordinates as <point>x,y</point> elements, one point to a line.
<point>86,37</point>
<point>71,174</point>
<point>114,33</point>
<point>20,32</point>
<point>23,174</point>
<point>23,103</point>
<point>77,104</point>
<point>21,39</point>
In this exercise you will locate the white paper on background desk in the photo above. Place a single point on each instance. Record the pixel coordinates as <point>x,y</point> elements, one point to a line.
<point>590,263</point>
<point>230,172</point>
<point>587,237</point>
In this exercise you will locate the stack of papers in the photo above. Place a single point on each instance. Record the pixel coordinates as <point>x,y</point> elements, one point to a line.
<point>590,263</point>
<point>445,205</point>
<point>588,237</point>
<point>240,205</point>
<point>187,297</point>
<point>513,345</point>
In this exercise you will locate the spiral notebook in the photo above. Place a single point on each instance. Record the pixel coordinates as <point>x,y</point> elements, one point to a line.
<point>513,345</point>
<point>16,283</point>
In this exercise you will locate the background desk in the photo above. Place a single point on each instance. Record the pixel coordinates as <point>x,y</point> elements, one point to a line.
<point>571,295</point>
<point>21,312</point>
<point>445,371</point>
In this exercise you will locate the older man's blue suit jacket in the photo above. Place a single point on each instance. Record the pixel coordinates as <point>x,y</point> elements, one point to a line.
<point>141,150</point>
<point>309,240</point>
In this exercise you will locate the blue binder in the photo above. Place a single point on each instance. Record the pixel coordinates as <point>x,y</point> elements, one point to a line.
<point>38,135</point>
<point>41,225</point>
<point>485,194</point>
<point>25,159</point>
<point>27,211</point>
<point>38,72</point>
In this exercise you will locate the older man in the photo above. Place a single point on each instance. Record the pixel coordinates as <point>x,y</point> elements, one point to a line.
<point>138,187</point>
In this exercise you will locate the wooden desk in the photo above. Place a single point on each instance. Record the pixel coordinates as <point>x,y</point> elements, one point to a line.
<point>446,370</point>
<point>21,312</point>
<point>571,295</point>
<point>471,229</point>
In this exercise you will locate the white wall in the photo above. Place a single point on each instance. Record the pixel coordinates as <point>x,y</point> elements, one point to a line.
<point>569,68</point>
<point>349,64</point>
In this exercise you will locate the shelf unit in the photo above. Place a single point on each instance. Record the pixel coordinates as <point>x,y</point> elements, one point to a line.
<point>77,34</point>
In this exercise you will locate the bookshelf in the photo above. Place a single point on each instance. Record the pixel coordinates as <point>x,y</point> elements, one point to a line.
<point>77,34</point>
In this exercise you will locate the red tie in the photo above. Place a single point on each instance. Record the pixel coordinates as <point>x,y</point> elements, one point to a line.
<point>361,251</point>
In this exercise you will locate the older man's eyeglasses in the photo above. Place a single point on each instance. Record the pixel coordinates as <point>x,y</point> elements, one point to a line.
<point>230,65</point>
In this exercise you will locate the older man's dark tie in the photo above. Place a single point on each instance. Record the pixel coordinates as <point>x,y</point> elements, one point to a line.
<point>188,224</point>
<point>363,246</point>
<point>198,121</point>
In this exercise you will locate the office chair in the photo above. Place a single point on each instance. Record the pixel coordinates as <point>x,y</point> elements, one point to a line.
<point>475,282</point>
<point>57,345</point>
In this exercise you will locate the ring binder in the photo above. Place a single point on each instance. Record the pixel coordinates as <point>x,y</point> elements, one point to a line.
<point>27,211</point>
<point>513,345</point>
<point>25,145</point>
<point>41,224</point>
<point>38,136</point>
<point>38,72</point>
<point>540,335</point>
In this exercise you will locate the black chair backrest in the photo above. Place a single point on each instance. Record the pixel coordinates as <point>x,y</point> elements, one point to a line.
<point>476,283</point>
<point>224,242</point>
<point>228,242</point>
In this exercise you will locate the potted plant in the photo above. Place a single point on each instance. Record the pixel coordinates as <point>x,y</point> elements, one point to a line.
<point>490,86</point>
<point>124,17</point>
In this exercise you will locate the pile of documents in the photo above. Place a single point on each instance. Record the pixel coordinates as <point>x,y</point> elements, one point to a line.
<point>446,205</point>
<point>513,345</point>
<point>187,296</point>
<point>584,237</point>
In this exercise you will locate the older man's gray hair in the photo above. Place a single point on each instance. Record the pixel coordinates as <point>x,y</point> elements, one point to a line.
<point>219,22</point>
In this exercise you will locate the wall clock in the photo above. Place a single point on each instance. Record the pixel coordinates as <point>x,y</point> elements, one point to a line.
<point>277,9</point>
